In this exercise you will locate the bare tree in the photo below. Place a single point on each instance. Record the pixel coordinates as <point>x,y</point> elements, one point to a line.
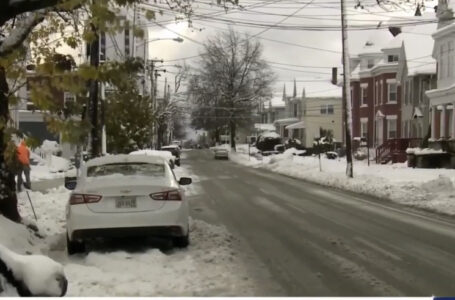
<point>229,82</point>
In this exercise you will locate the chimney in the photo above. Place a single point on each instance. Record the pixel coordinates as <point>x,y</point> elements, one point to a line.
<point>335,76</point>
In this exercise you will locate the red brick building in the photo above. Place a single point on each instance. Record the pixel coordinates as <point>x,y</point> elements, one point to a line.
<point>375,93</point>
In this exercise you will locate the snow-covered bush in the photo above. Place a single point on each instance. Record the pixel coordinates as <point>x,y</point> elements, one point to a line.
<point>31,275</point>
<point>22,275</point>
<point>48,148</point>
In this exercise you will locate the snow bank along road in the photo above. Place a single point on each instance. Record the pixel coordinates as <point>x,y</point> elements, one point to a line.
<point>321,241</point>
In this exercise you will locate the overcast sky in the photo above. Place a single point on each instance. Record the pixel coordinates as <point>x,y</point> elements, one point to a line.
<point>301,39</point>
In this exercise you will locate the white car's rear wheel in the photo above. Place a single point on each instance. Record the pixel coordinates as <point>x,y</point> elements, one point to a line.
<point>182,241</point>
<point>74,247</point>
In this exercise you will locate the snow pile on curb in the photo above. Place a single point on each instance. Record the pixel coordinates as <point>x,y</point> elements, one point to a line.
<point>430,189</point>
<point>39,273</point>
<point>209,267</point>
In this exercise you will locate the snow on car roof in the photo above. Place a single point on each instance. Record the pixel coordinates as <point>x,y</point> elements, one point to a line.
<point>170,147</point>
<point>154,153</point>
<point>124,158</point>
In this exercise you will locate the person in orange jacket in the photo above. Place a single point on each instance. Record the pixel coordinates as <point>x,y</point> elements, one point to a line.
<point>23,156</point>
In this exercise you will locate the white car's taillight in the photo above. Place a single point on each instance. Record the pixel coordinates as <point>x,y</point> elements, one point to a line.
<point>84,198</point>
<point>173,195</point>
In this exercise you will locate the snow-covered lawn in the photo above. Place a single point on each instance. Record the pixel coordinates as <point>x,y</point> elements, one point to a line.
<point>210,266</point>
<point>431,189</point>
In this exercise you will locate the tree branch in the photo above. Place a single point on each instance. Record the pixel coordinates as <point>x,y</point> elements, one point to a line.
<point>11,8</point>
<point>20,33</point>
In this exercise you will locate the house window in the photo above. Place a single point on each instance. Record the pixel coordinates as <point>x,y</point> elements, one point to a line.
<point>364,128</point>
<point>370,63</point>
<point>380,92</point>
<point>327,109</point>
<point>102,46</point>
<point>425,87</point>
<point>286,133</point>
<point>441,62</point>
<point>272,117</point>
<point>392,92</point>
<point>295,109</point>
<point>295,133</point>
<point>68,98</point>
<point>127,42</point>
<point>364,96</point>
<point>406,92</point>
<point>450,60</point>
<point>405,129</point>
<point>377,93</point>
<point>392,58</point>
<point>391,128</point>
<point>323,109</point>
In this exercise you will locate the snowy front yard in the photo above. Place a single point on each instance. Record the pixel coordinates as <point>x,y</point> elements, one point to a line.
<point>210,266</point>
<point>430,189</point>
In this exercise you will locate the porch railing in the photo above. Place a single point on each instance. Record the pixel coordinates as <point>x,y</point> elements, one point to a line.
<point>395,149</point>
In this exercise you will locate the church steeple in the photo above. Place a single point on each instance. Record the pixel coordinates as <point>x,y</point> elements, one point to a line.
<point>294,95</point>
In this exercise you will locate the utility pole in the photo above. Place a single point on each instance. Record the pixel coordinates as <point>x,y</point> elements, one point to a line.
<point>346,91</point>
<point>103,120</point>
<point>152,96</point>
<point>158,133</point>
<point>93,96</point>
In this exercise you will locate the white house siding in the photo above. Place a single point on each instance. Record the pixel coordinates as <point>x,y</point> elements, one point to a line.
<point>314,120</point>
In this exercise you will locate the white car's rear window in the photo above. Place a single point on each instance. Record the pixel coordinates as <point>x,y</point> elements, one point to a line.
<point>126,169</point>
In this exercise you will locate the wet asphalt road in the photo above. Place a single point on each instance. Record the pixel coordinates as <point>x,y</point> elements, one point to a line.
<point>318,241</point>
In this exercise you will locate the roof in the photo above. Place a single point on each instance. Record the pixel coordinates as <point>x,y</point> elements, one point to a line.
<point>286,121</point>
<point>277,101</point>
<point>372,41</point>
<point>315,88</point>
<point>395,43</point>
<point>418,46</point>
<point>264,127</point>
<point>298,125</point>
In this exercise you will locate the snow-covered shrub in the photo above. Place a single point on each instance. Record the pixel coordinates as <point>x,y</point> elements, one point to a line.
<point>31,275</point>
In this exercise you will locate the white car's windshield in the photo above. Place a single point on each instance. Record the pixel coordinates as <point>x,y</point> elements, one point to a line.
<point>126,169</point>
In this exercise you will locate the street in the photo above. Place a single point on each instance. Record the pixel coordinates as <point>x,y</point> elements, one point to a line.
<point>319,241</point>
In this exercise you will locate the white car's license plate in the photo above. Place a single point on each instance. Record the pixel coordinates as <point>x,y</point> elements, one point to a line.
<point>125,202</point>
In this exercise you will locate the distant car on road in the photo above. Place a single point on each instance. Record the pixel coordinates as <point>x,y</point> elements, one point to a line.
<point>175,150</point>
<point>124,196</point>
<point>221,153</point>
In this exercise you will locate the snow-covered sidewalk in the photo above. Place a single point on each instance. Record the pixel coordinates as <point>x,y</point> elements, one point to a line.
<point>210,266</point>
<point>431,189</point>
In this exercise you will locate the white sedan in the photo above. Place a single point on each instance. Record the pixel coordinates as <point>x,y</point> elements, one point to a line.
<point>221,153</point>
<point>126,195</point>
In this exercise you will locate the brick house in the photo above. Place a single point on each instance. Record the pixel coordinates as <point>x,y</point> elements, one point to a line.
<point>375,93</point>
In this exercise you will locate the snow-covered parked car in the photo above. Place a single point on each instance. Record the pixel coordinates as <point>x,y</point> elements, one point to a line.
<point>175,151</point>
<point>127,195</point>
<point>160,153</point>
